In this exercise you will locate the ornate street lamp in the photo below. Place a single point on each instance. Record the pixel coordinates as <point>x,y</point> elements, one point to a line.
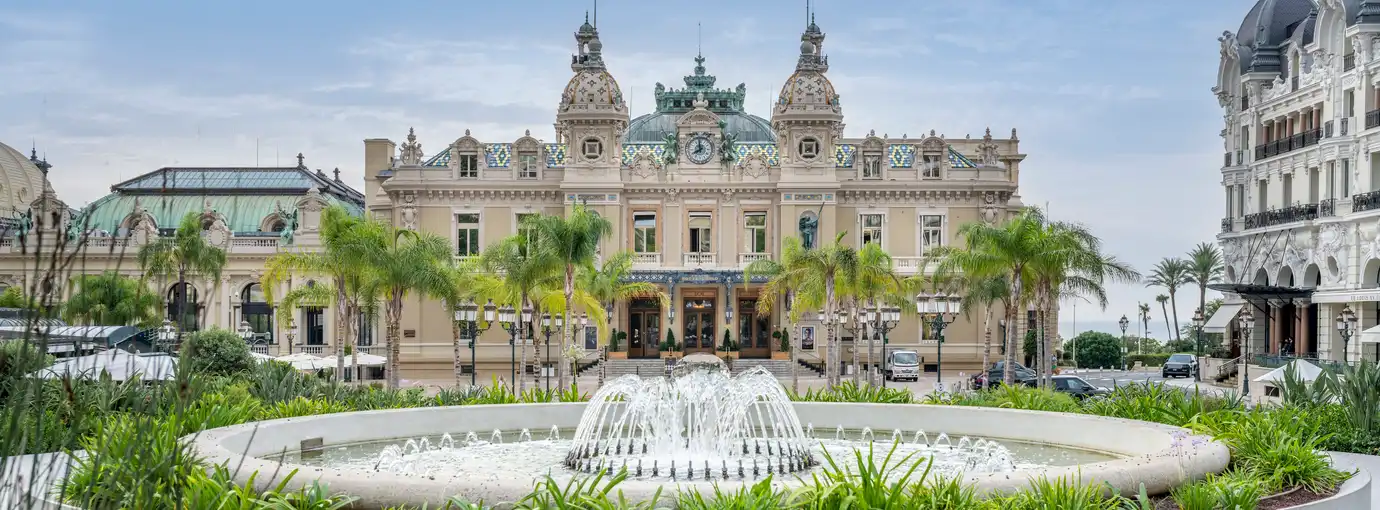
<point>1346,327</point>
<point>1198,339</point>
<point>1246,325</point>
<point>941,311</point>
<point>1124,323</point>
<point>467,315</point>
<point>549,326</point>
<point>508,320</point>
<point>167,336</point>
<point>886,318</point>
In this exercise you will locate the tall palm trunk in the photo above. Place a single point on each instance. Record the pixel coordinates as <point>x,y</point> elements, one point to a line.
<point>872,372</point>
<point>1164,307</point>
<point>455,336</point>
<point>394,319</point>
<point>341,329</point>
<point>181,300</point>
<point>987,340</point>
<point>567,333</point>
<point>522,332</point>
<point>830,371</point>
<point>1008,371</point>
<point>857,374</point>
<point>1174,306</point>
<point>351,326</point>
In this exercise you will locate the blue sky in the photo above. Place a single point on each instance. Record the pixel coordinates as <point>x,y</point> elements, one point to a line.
<point>1111,98</point>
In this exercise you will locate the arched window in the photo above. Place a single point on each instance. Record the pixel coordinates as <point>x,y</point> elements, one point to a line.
<point>277,226</point>
<point>257,312</point>
<point>182,305</point>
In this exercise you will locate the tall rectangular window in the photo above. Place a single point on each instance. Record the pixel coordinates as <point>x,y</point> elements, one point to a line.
<point>931,232</point>
<point>701,232</point>
<point>1261,199</point>
<point>1288,184</point>
<point>1240,200</point>
<point>1349,102</point>
<point>755,224</point>
<point>872,167</point>
<point>1313,185</point>
<point>1331,179</point>
<point>469,166</point>
<point>644,233</point>
<point>527,166</point>
<point>467,235</point>
<point>524,227</point>
<point>1345,178</point>
<point>871,229</point>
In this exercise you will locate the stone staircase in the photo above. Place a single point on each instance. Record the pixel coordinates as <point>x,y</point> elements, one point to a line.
<point>643,367</point>
<point>779,368</point>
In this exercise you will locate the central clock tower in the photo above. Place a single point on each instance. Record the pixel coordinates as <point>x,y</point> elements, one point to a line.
<point>701,142</point>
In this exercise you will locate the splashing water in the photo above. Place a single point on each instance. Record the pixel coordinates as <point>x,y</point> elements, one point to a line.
<point>695,421</point>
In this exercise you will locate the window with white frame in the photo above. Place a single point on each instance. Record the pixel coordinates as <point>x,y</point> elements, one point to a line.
<point>871,228</point>
<point>644,232</point>
<point>701,232</point>
<point>931,232</point>
<point>468,166</point>
<point>755,224</point>
<point>872,167</point>
<point>929,166</point>
<point>527,166</point>
<point>467,235</point>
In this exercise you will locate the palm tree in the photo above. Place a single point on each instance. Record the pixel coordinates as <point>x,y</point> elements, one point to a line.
<point>1170,273</point>
<point>1163,300</point>
<point>979,293</point>
<point>874,282</point>
<point>396,263</point>
<point>108,299</point>
<point>989,251</point>
<point>460,286</point>
<point>785,277</point>
<point>1204,267</point>
<point>1144,319</point>
<point>572,242</point>
<point>184,254</point>
<point>815,276</point>
<point>516,273</point>
<point>340,263</point>
<point>609,284</point>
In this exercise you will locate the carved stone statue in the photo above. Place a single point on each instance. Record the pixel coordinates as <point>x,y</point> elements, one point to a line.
<point>728,152</point>
<point>289,224</point>
<point>26,224</point>
<point>76,226</point>
<point>672,145</point>
<point>809,226</point>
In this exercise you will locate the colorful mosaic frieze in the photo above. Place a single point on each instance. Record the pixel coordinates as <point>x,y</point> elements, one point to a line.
<point>766,150</point>
<point>843,155</point>
<point>555,155</point>
<point>901,156</point>
<point>957,160</point>
<point>632,151</point>
<point>498,155</point>
<point>440,159</point>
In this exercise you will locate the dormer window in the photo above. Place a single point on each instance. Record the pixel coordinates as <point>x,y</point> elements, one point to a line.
<point>467,166</point>
<point>592,148</point>
<point>527,166</point>
<point>872,167</point>
<point>929,166</point>
<point>809,148</point>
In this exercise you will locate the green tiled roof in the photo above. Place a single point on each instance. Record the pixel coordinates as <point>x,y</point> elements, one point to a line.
<point>243,213</point>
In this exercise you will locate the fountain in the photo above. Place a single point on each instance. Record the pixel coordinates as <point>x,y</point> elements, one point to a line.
<point>698,428</point>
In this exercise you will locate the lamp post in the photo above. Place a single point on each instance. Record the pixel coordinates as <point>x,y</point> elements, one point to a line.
<point>941,311</point>
<point>886,318</point>
<point>1246,324</point>
<point>1124,323</point>
<point>467,315</point>
<point>548,330</point>
<point>291,327</point>
<point>1346,326</point>
<point>859,330</point>
<point>1198,340</point>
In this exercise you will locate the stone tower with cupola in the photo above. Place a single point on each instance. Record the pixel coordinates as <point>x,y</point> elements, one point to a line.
<point>807,117</point>
<point>592,113</point>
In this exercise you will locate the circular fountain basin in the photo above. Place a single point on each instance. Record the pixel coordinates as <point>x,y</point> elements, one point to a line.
<point>1121,453</point>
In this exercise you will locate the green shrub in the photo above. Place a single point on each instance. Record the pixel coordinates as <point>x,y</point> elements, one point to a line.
<point>758,496</point>
<point>1149,360</point>
<point>216,352</point>
<point>1097,350</point>
<point>301,406</point>
<point>132,461</point>
<point>221,409</point>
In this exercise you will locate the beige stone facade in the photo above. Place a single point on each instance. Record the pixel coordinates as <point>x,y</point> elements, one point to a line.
<point>697,190</point>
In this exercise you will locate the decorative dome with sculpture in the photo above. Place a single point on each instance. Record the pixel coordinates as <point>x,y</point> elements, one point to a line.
<point>592,86</point>
<point>808,86</point>
<point>21,180</point>
<point>728,104</point>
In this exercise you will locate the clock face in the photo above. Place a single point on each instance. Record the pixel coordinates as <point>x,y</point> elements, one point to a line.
<point>700,150</point>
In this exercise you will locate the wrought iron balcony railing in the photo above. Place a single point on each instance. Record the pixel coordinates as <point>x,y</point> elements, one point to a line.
<point>1372,119</point>
<point>1226,225</point>
<point>1300,212</point>
<point>1327,207</point>
<point>1349,61</point>
<point>1367,201</point>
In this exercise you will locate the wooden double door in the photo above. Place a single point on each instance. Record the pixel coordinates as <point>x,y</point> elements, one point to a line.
<point>754,330</point>
<point>699,331</point>
<point>644,328</point>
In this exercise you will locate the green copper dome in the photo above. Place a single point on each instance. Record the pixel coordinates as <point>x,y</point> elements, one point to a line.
<point>726,103</point>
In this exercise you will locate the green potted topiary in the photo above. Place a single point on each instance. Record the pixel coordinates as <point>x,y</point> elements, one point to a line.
<point>783,337</point>
<point>616,345</point>
<point>728,349</point>
<point>669,348</point>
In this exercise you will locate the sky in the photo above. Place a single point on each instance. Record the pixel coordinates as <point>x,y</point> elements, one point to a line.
<point>1111,100</point>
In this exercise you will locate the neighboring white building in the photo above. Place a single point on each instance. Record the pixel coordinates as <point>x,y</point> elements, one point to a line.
<point>1301,233</point>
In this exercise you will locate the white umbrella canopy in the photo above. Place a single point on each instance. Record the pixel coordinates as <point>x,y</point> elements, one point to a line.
<point>304,361</point>
<point>1306,371</point>
<point>120,364</point>
<point>260,357</point>
<point>365,360</point>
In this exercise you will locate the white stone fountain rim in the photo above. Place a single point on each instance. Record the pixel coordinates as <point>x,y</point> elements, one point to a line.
<point>1157,455</point>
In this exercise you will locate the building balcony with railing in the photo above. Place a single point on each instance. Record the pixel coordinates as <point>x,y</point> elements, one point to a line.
<point>747,258</point>
<point>1348,61</point>
<point>1368,201</point>
<point>1291,214</point>
<point>700,259</point>
<point>1226,225</point>
<point>646,259</point>
<point>1288,144</point>
<point>1327,208</point>
<point>1372,119</point>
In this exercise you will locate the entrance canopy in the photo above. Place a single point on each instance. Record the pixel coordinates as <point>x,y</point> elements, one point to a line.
<point>1307,372</point>
<point>1222,318</point>
<point>1371,335</point>
<point>1253,291</point>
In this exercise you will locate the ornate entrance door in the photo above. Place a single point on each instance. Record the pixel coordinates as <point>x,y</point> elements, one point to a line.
<point>644,328</point>
<point>754,331</point>
<point>698,333</point>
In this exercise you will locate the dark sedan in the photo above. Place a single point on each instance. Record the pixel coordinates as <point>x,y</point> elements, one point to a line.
<point>993,377</point>
<point>1077,387</point>
<point>1179,365</point>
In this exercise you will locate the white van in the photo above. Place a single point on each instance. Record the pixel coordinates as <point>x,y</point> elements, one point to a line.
<point>902,364</point>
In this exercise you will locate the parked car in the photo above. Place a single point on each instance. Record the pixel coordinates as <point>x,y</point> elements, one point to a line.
<point>1179,365</point>
<point>1020,375</point>
<point>902,364</point>
<point>1077,387</point>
